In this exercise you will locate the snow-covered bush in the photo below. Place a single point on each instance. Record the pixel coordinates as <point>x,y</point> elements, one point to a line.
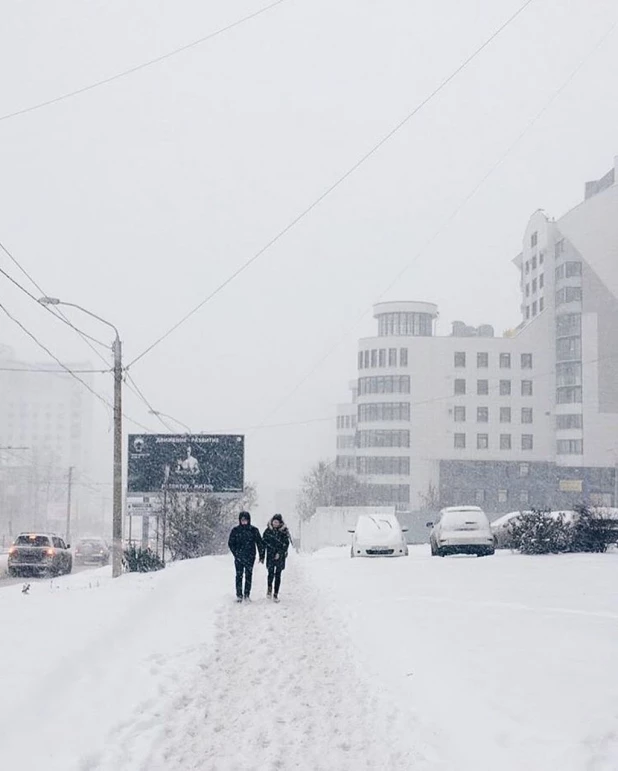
<point>540,532</point>
<point>545,532</point>
<point>591,531</point>
<point>141,560</point>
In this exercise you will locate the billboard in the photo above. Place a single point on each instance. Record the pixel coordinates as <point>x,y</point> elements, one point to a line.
<point>200,463</point>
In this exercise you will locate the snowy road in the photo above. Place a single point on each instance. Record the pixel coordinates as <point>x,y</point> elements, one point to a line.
<point>424,664</point>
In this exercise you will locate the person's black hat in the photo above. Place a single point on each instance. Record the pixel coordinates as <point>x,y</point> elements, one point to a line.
<point>278,517</point>
<point>244,515</point>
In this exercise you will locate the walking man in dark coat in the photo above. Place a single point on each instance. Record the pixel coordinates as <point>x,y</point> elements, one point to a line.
<point>277,542</point>
<point>244,541</point>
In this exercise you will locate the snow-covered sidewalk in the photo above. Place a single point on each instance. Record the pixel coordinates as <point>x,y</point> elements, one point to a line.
<point>279,691</point>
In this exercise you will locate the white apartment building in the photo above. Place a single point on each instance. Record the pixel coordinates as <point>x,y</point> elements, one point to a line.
<point>48,415</point>
<point>527,419</point>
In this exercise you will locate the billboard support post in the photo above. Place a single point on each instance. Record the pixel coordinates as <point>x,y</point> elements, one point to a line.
<point>164,527</point>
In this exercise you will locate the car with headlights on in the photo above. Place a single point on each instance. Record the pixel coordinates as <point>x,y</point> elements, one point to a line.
<point>39,554</point>
<point>91,551</point>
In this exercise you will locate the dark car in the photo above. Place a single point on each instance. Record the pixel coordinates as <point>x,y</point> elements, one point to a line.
<point>91,551</point>
<point>39,553</point>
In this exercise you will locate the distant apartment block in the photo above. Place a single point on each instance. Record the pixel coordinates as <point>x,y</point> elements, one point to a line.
<point>526,419</point>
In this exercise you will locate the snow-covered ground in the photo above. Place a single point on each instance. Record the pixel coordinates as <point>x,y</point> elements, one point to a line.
<point>457,664</point>
<point>513,660</point>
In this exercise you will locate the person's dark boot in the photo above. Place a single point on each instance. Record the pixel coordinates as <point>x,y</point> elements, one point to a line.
<point>269,592</point>
<point>275,598</point>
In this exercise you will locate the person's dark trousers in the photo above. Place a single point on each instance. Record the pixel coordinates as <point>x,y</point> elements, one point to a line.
<point>274,574</point>
<point>247,570</point>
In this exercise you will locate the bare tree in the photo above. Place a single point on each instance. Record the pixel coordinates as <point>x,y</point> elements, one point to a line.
<point>198,524</point>
<point>324,486</point>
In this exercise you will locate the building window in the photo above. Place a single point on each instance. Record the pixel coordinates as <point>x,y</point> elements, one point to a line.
<point>570,446</point>
<point>565,422</point>
<point>559,272</point>
<point>383,438</point>
<point>527,267</point>
<point>505,361</point>
<point>534,308</point>
<point>383,411</point>
<point>526,387</point>
<point>526,414</point>
<point>403,357</point>
<point>505,441</point>
<point>460,359</point>
<point>541,303</point>
<point>482,441</point>
<point>568,348</point>
<point>366,354</point>
<point>381,464</point>
<point>568,294</point>
<point>505,388</point>
<point>460,414</point>
<point>503,496</point>
<point>534,285</point>
<point>527,311</point>
<point>405,324</point>
<point>572,269</point>
<point>482,387</point>
<point>345,442</point>
<point>559,248</point>
<point>482,360</point>
<point>569,395</point>
<point>541,281</point>
<point>374,358</point>
<point>534,239</point>
<point>526,361</point>
<point>527,290</point>
<point>569,373</point>
<point>505,414</point>
<point>346,462</point>
<point>527,442</point>
<point>459,441</point>
<point>533,263</point>
<point>482,414</point>
<point>382,357</point>
<point>388,494</point>
<point>524,469</point>
<point>360,359</point>
<point>392,357</point>
<point>460,386</point>
<point>523,496</point>
<point>384,384</point>
<point>479,497</point>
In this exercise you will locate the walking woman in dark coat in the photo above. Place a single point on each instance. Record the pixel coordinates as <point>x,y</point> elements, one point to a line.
<point>276,540</point>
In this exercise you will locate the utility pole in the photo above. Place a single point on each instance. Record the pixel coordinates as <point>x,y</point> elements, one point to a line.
<point>117,506</point>
<point>117,479</point>
<point>70,485</point>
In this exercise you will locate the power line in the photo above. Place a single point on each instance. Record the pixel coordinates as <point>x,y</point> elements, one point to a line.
<point>47,308</point>
<point>55,372</point>
<point>62,317</point>
<point>337,183</point>
<point>132,385</point>
<point>142,66</point>
<point>451,217</point>
<point>64,366</point>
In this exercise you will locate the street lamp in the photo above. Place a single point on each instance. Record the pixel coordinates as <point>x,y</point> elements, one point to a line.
<point>117,474</point>
<point>159,414</point>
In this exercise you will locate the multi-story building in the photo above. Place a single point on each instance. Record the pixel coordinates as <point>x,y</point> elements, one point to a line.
<point>526,419</point>
<point>45,428</point>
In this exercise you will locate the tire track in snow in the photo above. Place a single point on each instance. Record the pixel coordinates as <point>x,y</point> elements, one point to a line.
<point>279,692</point>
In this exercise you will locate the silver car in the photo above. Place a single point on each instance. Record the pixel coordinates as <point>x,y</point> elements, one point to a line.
<point>39,554</point>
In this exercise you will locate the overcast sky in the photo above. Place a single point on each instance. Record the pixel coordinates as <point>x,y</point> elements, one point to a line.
<point>138,198</point>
